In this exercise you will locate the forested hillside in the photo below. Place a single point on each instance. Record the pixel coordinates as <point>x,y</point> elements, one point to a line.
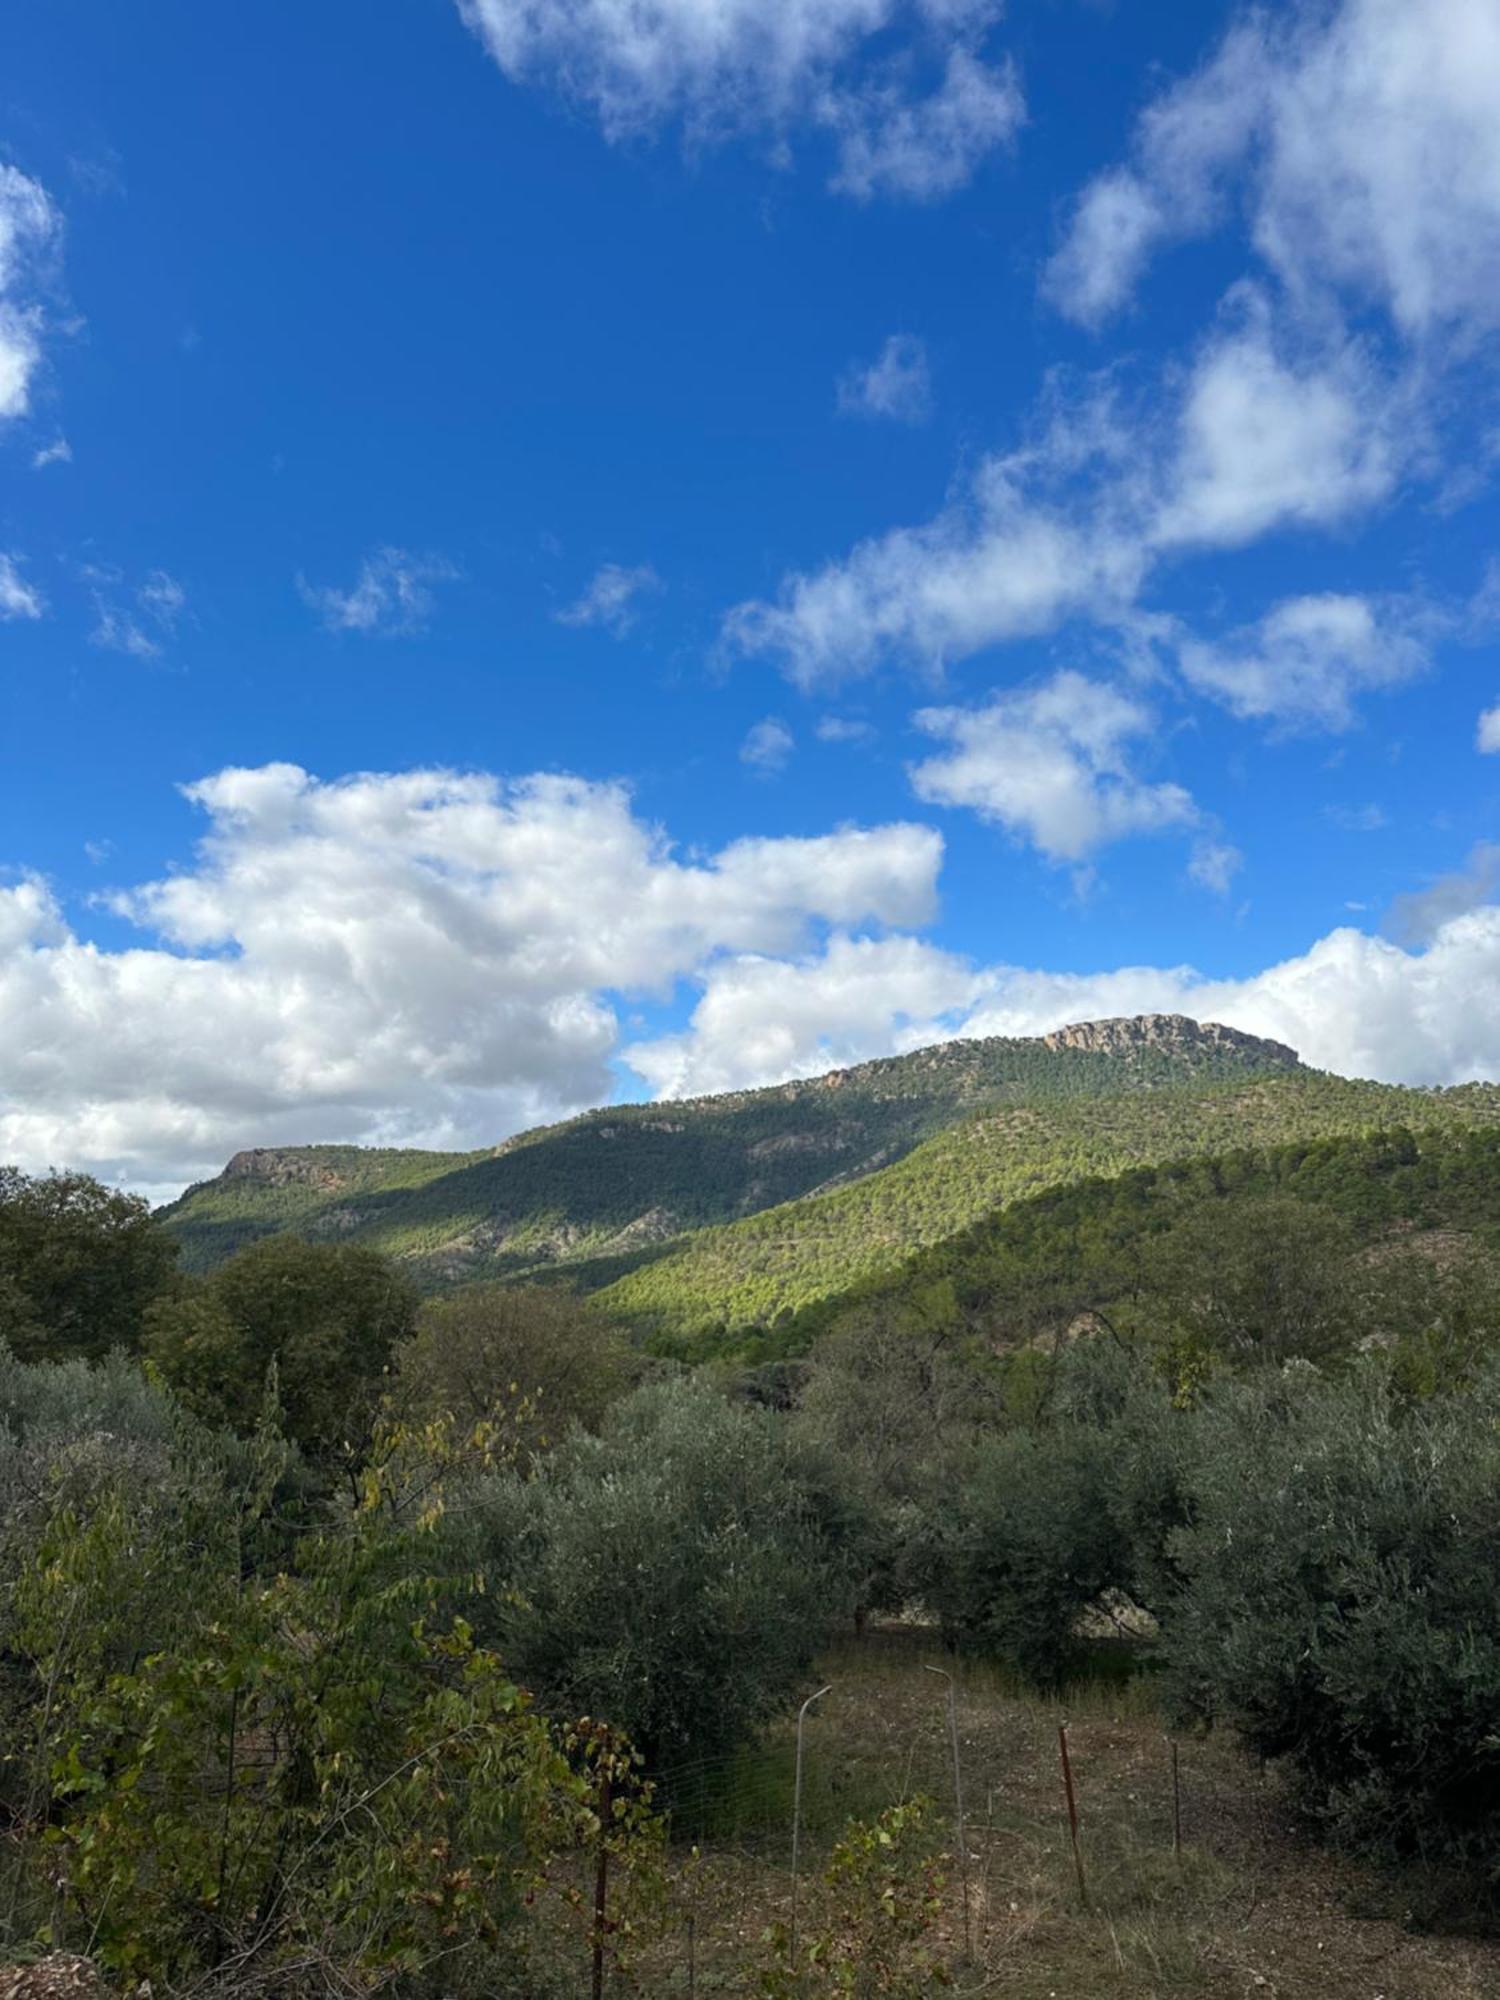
<point>617,1183</point>
<point>728,1281</point>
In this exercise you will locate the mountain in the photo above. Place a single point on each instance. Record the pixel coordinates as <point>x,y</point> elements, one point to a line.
<point>601,1193</point>
<point>725,1285</point>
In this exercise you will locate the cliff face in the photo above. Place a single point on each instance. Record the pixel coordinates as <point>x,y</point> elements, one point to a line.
<point>275,1166</point>
<point>1170,1034</point>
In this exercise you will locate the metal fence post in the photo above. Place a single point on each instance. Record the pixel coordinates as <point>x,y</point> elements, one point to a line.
<point>797,1815</point>
<point>958,1806</point>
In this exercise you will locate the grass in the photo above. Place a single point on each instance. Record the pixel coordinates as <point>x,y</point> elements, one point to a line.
<point>1247,1908</point>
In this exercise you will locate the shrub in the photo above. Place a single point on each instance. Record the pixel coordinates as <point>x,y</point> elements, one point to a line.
<point>1338,1601</point>
<point>675,1573</point>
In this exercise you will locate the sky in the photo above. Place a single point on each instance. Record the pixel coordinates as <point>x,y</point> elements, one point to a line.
<point>554,551</point>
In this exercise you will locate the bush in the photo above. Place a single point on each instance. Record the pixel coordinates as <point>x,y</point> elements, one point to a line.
<point>676,1573</point>
<point>1338,1601</point>
<point>1020,1541</point>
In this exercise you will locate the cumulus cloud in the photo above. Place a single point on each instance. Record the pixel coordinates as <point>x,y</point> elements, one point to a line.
<point>391,595</point>
<point>768,746</point>
<point>1305,662</point>
<point>18,598</point>
<point>723,66</point>
<point>1487,736</point>
<point>29,226</point>
<point>1360,1005</point>
<point>1051,764</point>
<point>895,384</point>
<point>767,1020</point>
<point>1252,436</point>
<point>425,957</point>
<point>611,598</point>
<point>1363,141</point>
<point>922,148</point>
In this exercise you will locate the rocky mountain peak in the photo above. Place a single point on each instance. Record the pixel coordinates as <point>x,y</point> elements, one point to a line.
<point>1171,1034</point>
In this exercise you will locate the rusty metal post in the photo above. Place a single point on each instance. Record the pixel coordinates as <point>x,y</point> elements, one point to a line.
<point>1067,1771</point>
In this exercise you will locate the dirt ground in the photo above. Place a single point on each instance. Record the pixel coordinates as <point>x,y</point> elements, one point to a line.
<point>1248,1908</point>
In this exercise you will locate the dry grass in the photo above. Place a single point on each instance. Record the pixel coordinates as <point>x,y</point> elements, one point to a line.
<point>1247,1909</point>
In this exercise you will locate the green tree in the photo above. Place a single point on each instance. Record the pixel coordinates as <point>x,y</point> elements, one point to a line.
<point>327,1316</point>
<point>1337,1600</point>
<point>492,1346</point>
<point>1255,1280</point>
<point>676,1573</point>
<point>80,1265</point>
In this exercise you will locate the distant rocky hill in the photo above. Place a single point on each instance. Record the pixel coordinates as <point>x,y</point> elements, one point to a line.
<point>603,1192</point>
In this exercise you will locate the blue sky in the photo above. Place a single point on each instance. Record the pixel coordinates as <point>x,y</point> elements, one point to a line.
<point>771,532</point>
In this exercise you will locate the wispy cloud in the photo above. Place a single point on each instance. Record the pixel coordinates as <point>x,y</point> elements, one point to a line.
<point>856,68</point>
<point>921,148</point>
<point>1361,140</point>
<point>392,595</point>
<point>59,452</point>
<point>1356,819</point>
<point>29,227</point>
<point>1487,736</point>
<point>138,621</point>
<point>896,384</point>
<point>768,746</point>
<point>18,598</point>
<point>611,598</point>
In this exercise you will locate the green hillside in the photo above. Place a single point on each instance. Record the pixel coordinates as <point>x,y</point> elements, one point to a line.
<point>731,1280</point>
<point>1079,1248</point>
<point>607,1191</point>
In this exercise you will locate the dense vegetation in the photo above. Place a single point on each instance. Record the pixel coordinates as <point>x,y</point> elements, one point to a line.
<point>726,1286</point>
<point>606,1190</point>
<point>342,1632</point>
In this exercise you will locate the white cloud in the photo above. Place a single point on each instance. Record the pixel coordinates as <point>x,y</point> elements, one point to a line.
<point>1248,439</point>
<point>895,384</point>
<point>611,598</point>
<point>1364,140</point>
<point>766,1020</point>
<point>1307,659</point>
<point>1487,736</point>
<point>391,595</point>
<point>844,729</point>
<point>59,452</point>
<point>29,225</point>
<point>1051,764</point>
<point>1356,819</point>
<point>425,957</point>
<point>1267,439</point>
<point>923,148</point>
<point>142,626</point>
<point>768,746</point>
<point>1359,1005</point>
<point>1214,864</point>
<point>724,66</point>
<point>18,598</point>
